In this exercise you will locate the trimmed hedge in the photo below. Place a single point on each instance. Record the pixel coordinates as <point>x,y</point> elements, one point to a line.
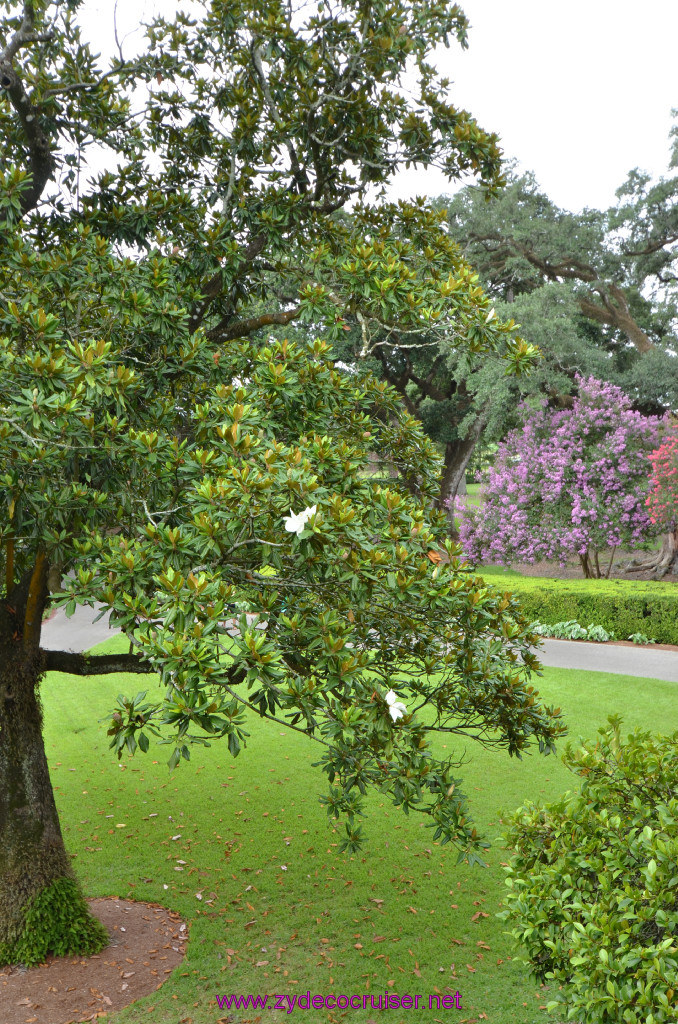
<point>622,607</point>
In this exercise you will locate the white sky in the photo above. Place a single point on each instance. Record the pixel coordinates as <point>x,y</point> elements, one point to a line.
<point>579,92</point>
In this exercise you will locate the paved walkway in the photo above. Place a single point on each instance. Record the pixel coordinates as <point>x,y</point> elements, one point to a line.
<point>628,661</point>
<point>80,632</point>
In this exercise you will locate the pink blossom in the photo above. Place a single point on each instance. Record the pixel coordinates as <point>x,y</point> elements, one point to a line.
<point>572,480</point>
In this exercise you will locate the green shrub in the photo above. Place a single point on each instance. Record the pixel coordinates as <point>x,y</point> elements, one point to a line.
<point>640,638</point>
<point>572,631</point>
<point>593,885</point>
<point>599,634</point>
<point>561,630</point>
<point>619,606</point>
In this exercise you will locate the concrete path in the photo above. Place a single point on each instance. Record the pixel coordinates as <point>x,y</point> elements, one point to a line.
<point>80,632</point>
<point>628,661</point>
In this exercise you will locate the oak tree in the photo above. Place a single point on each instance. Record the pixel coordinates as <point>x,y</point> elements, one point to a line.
<point>594,290</point>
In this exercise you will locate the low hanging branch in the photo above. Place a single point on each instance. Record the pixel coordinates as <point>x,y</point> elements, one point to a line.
<point>95,664</point>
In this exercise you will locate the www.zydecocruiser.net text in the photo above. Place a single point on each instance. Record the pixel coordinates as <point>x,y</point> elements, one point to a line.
<point>386,1001</point>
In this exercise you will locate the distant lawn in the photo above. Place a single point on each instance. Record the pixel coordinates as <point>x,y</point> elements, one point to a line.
<point>472,497</point>
<point>280,910</point>
<point>472,494</point>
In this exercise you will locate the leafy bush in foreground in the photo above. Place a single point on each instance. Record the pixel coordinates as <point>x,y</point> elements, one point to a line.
<point>593,884</point>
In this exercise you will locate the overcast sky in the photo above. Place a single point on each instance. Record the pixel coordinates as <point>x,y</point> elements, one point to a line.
<point>579,93</point>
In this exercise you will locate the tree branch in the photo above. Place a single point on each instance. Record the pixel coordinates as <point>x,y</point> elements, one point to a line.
<point>428,388</point>
<point>213,288</point>
<point>571,269</point>
<point>95,664</point>
<point>616,315</point>
<point>24,35</point>
<point>35,602</point>
<point>64,90</point>
<point>298,174</point>
<point>40,157</point>
<point>242,328</point>
<point>614,310</point>
<point>400,381</point>
<point>652,246</point>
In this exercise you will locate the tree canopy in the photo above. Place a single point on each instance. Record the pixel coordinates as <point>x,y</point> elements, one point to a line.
<point>164,456</point>
<point>594,290</point>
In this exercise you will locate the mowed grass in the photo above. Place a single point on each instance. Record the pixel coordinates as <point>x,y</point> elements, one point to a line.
<point>281,911</point>
<point>472,496</point>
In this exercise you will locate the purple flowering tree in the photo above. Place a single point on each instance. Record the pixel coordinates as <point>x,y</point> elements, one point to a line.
<point>566,482</point>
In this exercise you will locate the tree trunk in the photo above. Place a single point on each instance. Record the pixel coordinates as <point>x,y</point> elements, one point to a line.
<point>588,566</point>
<point>457,456</point>
<point>42,910</point>
<point>661,562</point>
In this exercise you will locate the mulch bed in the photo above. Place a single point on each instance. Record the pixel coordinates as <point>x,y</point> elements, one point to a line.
<point>620,643</point>
<point>147,943</point>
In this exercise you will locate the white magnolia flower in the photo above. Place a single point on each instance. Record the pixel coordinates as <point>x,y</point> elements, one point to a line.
<point>396,708</point>
<point>296,523</point>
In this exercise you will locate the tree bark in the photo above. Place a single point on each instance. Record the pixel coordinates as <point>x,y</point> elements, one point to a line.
<point>32,853</point>
<point>587,566</point>
<point>613,310</point>
<point>659,563</point>
<point>457,456</point>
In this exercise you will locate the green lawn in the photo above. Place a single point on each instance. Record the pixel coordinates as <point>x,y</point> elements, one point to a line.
<point>472,496</point>
<point>280,910</point>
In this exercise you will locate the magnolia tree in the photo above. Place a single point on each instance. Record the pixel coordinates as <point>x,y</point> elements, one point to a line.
<point>568,482</point>
<point>162,455</point>
<point>167,491</point>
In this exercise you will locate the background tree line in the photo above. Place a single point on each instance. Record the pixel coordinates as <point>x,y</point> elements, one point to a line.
<point>596,291</point>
